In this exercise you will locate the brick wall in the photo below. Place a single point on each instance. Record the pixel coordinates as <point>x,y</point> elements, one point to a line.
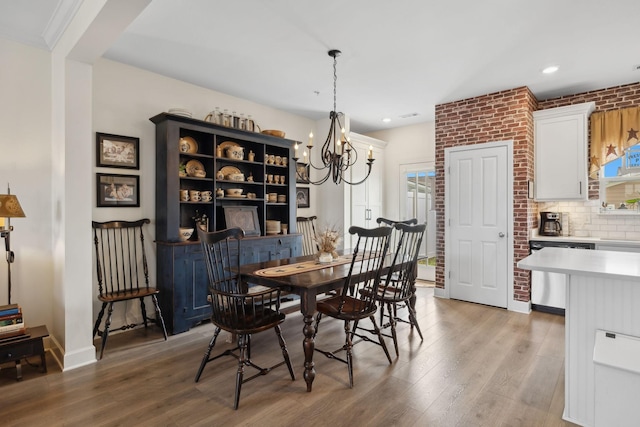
<point>500,116</point>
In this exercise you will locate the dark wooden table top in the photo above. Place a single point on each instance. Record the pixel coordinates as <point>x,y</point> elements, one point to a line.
<point>316,280</point>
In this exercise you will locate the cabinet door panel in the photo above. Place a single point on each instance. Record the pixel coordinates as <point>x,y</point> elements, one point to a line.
<point>559,158</point>
<point>560,140</point>
<point>192,275</point>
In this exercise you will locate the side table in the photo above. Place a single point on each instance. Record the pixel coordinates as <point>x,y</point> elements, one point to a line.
<point>28,346</point>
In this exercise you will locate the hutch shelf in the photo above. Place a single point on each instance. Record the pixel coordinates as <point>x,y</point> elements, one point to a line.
<point>211,164</point>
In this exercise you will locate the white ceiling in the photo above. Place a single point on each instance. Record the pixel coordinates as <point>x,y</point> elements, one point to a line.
<point>398,58</point>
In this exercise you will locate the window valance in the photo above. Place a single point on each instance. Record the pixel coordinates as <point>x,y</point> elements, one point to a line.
<point>611,133</point>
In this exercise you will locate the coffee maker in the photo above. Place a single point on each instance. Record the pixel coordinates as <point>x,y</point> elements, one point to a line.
<point>550,224</point>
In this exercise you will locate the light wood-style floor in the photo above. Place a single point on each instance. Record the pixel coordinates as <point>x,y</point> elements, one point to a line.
<point>477,366</point>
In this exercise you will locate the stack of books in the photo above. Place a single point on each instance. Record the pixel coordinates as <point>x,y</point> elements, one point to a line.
<point>11,324</point>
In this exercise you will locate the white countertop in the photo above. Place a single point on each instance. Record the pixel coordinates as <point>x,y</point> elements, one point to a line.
<point>618,265</point>
<point>596,240</point>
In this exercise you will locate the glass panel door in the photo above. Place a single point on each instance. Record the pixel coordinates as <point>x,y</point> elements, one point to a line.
<point>417,187</point>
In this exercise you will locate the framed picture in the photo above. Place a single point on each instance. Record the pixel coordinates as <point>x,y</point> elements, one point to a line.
<point>302,197</point>
<point>302,173</point>
<point>245,217</point>
<point>116,151</point>
<point>118,191</point>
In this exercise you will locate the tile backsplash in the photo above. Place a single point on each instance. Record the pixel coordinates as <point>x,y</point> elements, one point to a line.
<point>586,220</point>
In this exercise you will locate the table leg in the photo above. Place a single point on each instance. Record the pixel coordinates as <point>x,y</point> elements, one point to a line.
<point>18,370</point>
<point>308,345</point>
<point>43,362</point>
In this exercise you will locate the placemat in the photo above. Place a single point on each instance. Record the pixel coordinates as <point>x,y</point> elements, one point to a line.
<point>302,267</point>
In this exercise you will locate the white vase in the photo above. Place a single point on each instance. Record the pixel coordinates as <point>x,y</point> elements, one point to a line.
<point>325,257</point>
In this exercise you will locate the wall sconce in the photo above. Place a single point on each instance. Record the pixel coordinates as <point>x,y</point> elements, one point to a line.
<point>9,208</point>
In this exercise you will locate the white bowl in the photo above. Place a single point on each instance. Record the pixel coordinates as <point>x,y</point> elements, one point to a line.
<point>185,233</point>
<point>235,152</point>
<point>235,177</point>
<point>234,192</point>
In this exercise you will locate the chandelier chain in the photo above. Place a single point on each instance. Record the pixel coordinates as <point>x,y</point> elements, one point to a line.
<point>335,80</point>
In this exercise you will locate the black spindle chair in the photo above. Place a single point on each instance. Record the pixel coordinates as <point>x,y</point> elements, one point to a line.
<point>122,272</point>
<point>352,305</point>
<point>234,309</point>
<point>393,245</point>
<point>399,287</point>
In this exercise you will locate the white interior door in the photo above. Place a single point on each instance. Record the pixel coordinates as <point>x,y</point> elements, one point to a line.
<point>477,217</point>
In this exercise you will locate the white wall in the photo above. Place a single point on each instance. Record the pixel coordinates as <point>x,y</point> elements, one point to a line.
<point>405,145</point>
<point>25,163</point>
<point>125,97</point>
<point>123,100</point>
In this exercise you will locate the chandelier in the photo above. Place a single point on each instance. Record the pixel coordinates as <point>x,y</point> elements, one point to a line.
<point>337,154</point>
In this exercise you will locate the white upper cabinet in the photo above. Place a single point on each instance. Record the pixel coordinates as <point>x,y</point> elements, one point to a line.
<point>561,154</point>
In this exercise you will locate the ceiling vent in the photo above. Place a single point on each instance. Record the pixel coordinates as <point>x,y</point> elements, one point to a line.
<point>406,116</point>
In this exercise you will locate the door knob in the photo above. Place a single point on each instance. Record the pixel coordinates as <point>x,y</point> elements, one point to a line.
<point>501,234</point>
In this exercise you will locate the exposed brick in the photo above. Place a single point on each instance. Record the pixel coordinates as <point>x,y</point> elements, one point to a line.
<point>502,116</point>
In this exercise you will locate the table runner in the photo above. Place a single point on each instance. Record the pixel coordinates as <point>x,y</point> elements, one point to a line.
<point>302,267</point>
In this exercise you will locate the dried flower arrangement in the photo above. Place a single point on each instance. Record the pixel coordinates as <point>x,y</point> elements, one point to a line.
<point>328,241</point>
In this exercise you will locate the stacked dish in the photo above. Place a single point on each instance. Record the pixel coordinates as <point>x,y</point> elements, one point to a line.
<point>235,192</point>
<point>273,227</point>
<point>232,173</point>
<point>180,112</point>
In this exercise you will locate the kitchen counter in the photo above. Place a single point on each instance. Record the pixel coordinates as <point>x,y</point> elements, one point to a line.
<point>619,265</point>
<point>596,240</point>
<point>602,294</point>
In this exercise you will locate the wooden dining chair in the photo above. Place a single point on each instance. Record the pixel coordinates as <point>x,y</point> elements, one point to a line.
<point>395,234</point>
<point>307,226</point>
<point>352,305</point>
<point>234,309</point>
<point>393,245</point>
<point>122,272</point>
<point>398,288</point>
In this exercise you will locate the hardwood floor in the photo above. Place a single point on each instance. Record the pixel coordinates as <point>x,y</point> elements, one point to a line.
<point>477,366</point>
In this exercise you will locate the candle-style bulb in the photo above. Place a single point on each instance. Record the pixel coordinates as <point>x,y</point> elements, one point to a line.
<point>370,152</point>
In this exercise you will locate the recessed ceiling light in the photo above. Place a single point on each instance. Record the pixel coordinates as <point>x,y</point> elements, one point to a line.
<point>550,70</point>
<point>386,120</point>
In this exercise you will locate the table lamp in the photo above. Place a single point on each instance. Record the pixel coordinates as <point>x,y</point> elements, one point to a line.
<point>9,208</point>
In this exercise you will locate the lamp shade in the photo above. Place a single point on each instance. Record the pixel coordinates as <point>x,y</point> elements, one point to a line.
<point>10,207</point>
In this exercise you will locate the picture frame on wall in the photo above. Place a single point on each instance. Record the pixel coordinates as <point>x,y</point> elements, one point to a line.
<point>302,173</point>
<point>117,191</point>
<point>117,151</point>
<point>302,197</point>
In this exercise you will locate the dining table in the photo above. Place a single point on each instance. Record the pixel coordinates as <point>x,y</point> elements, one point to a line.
<point>306,277</point>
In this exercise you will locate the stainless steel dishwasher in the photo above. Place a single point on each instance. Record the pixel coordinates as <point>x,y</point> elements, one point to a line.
<point>548,290</point>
